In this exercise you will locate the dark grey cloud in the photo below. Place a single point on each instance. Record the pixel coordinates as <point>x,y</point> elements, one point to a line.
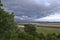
<point>32,8</point>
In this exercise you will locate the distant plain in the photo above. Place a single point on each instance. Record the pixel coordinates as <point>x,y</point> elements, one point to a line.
<point>45,27</point>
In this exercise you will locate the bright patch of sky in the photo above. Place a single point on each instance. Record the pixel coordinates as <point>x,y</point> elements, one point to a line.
<point>43,2</point>
<point>52,18</point>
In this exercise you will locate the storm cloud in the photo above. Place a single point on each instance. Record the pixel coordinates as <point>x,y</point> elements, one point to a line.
<point>32,9</point>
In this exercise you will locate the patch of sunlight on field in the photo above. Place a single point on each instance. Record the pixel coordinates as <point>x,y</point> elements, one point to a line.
<point>47,30</point>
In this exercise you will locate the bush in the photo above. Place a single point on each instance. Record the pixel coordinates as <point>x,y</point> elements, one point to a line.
<point>41,36</point>
<point>31,29</point>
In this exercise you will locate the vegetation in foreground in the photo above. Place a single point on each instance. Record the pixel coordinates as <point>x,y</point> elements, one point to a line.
<point>34,35</point>
<point>9,30</point>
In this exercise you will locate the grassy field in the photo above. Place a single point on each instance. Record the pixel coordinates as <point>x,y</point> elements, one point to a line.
<point>46,27</point>
<point>47,30</point>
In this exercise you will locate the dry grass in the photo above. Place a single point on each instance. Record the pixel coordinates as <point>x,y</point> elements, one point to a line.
<point>44,24</point>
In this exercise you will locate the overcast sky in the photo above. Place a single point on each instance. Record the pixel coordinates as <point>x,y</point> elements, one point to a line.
<point>34,10</point>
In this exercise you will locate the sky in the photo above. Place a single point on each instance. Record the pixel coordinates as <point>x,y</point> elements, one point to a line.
<point>34,10</point>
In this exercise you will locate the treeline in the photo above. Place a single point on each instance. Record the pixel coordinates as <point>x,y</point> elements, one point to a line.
<point>10,31</point>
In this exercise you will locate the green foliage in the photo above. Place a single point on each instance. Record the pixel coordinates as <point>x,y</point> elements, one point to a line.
<point>8,28</point>
<point>7,25</point>
<point>51,37</point>
<point>25,36</point>
<point>48,36</point>
<point>1,4</point>
<point>28,37</point>
<point>41,36</point>
<point>58,36</point>
<point>31,29</point>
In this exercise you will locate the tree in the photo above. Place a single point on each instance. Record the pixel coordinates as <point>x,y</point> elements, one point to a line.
<point>25,36</point>
<point>58,36</point>
<point>41,36</point>
<point>8,28</point>
<point>51,36</point>
<point>1,4</point>
<point>31,29</point>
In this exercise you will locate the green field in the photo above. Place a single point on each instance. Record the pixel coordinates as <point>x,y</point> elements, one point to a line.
<point>47,30</point>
